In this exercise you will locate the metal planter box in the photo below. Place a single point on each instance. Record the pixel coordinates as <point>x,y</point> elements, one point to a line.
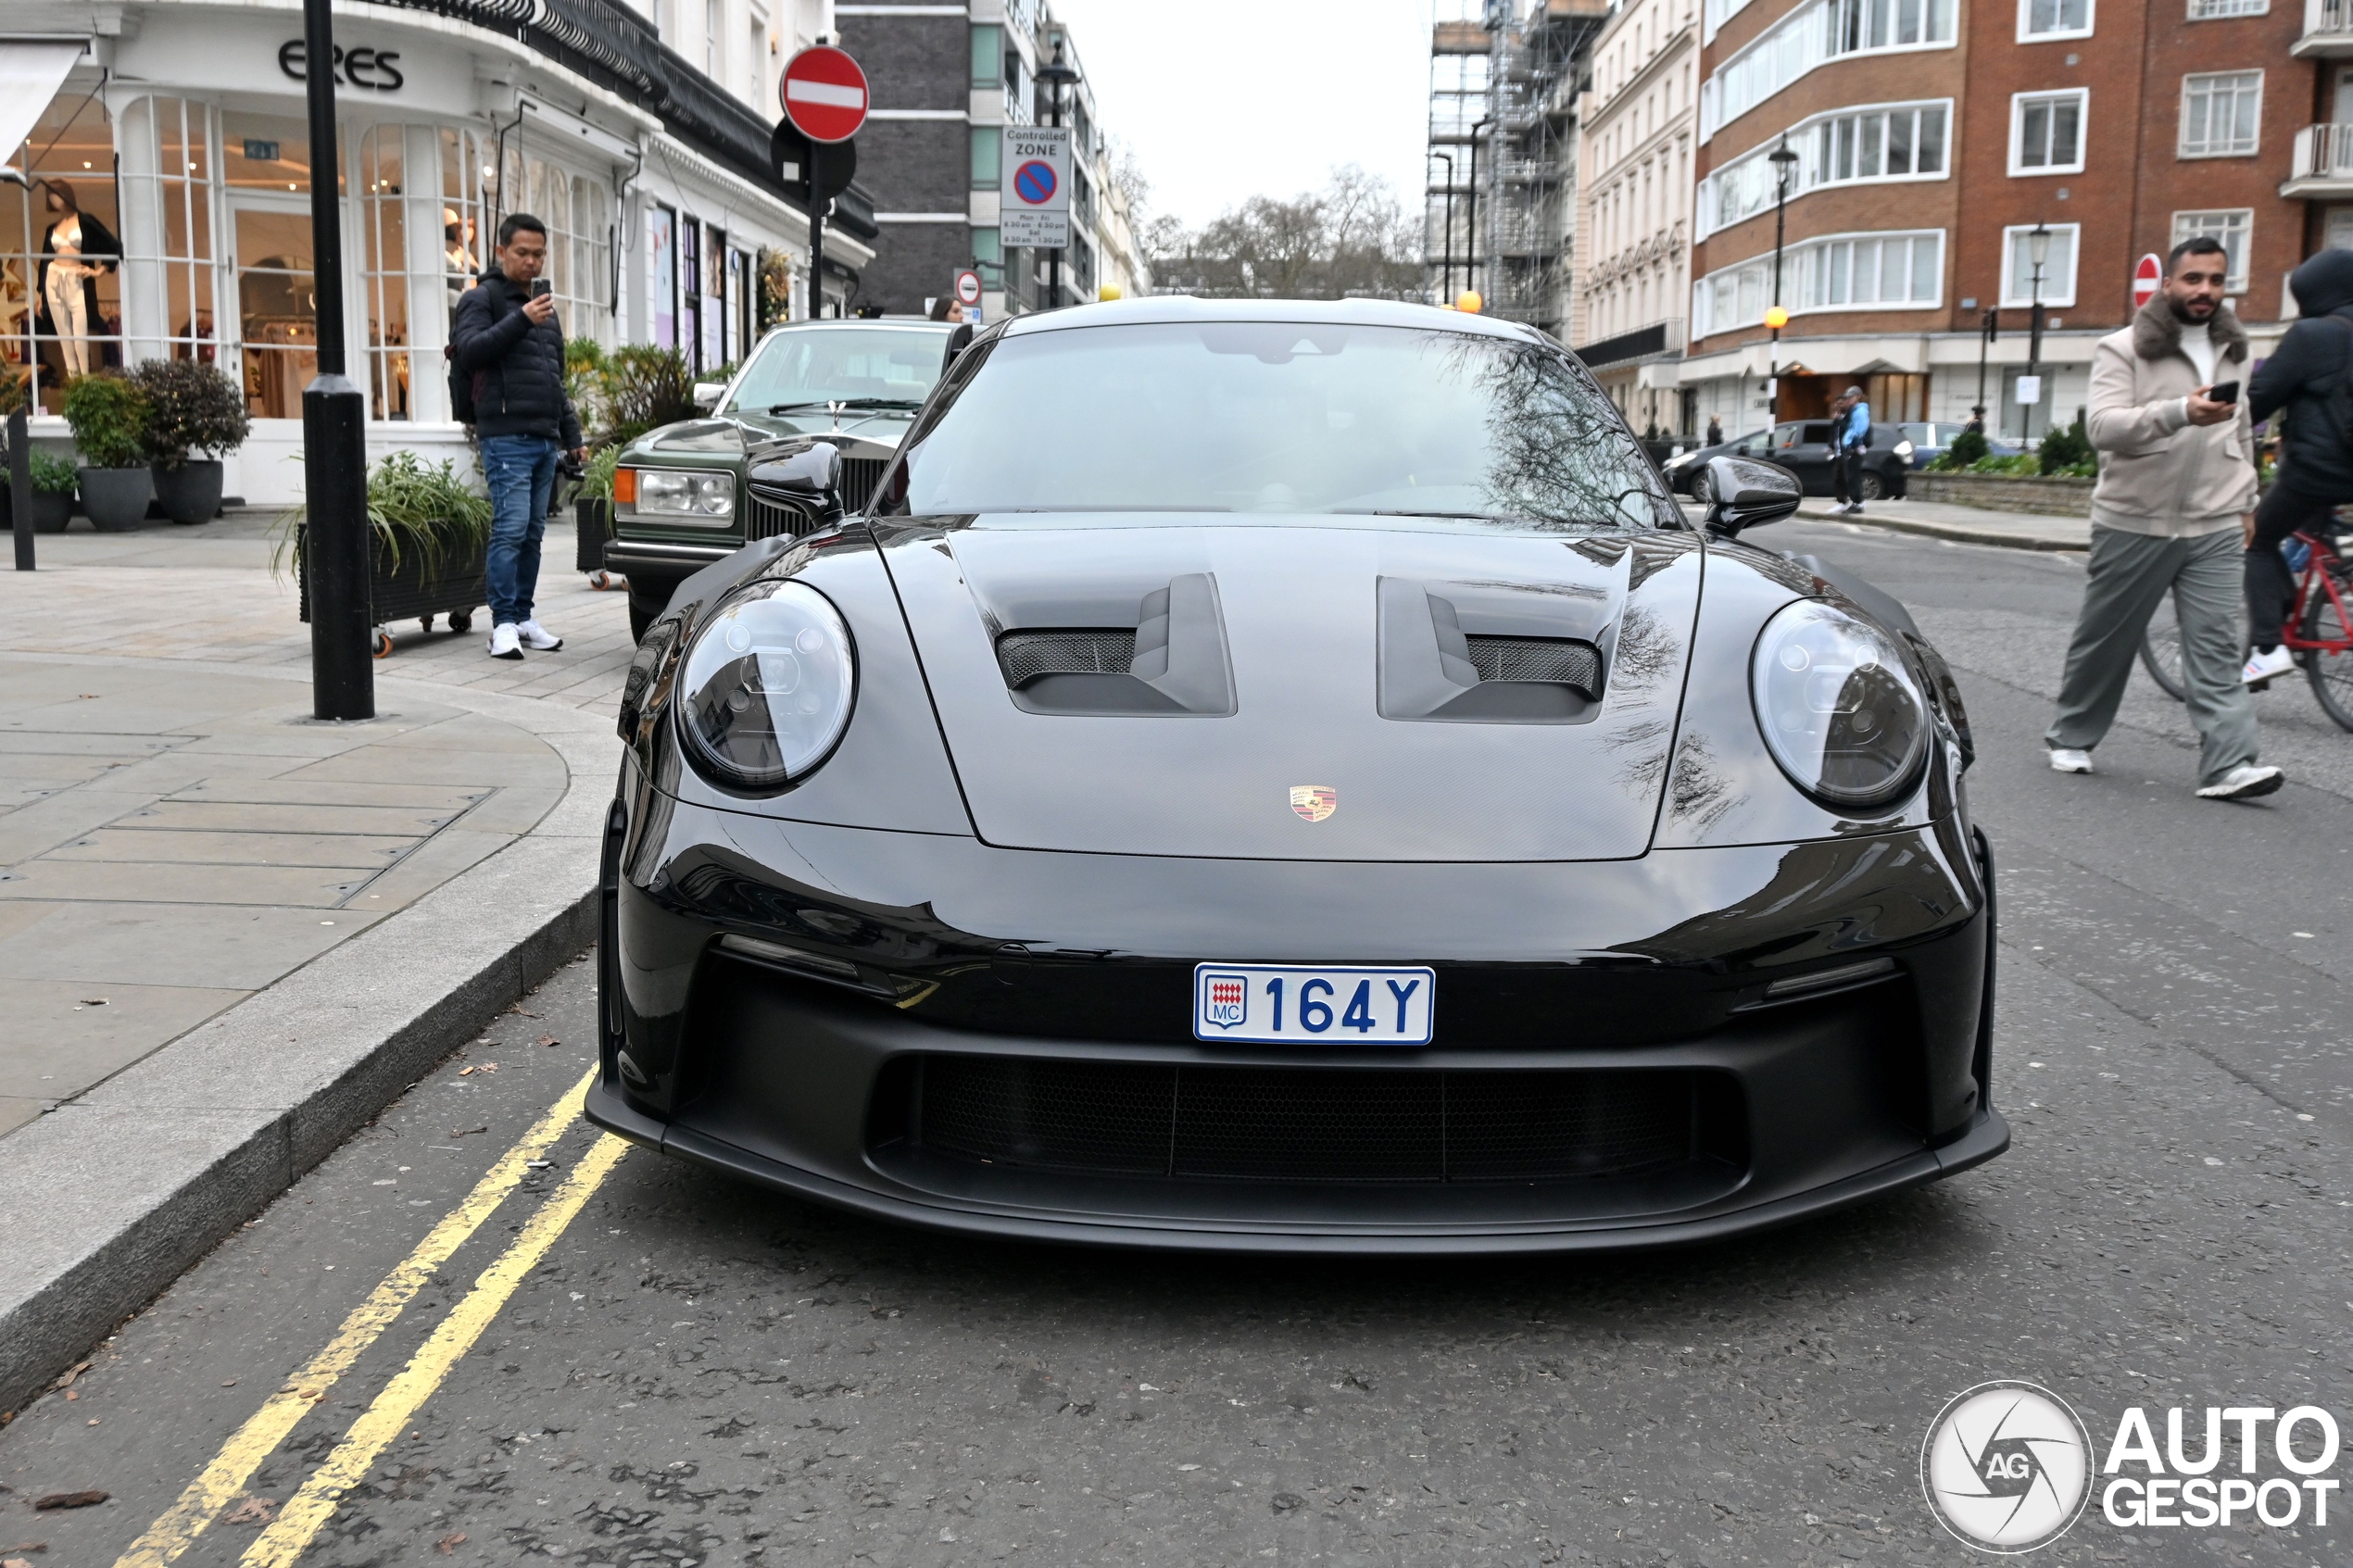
<point>406,591</point>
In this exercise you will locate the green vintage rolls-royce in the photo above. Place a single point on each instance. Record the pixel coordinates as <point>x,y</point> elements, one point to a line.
<point>680,499</point>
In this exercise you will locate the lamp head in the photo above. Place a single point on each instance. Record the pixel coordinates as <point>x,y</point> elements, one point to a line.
<point>2038,245</point>
<point>1469,301</point>
<point>1777,318</point>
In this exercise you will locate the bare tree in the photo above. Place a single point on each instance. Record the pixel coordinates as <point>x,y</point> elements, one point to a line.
<point>1349,238</point>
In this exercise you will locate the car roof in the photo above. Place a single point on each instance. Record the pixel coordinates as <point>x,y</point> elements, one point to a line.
<point>1341,312</point>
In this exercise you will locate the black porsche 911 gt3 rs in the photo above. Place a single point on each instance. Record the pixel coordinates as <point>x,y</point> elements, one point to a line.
<point>1287,776</point>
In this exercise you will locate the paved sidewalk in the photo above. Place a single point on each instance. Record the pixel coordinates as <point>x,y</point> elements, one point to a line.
<point>1968,525</point>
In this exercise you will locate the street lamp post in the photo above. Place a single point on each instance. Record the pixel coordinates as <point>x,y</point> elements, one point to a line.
<point>334,449</point>
<point>2038,251</point>
<point>1055,77</point>
<point>1989,327</point>
<point>1783,161</point>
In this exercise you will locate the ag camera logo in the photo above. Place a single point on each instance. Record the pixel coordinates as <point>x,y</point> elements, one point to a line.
<point>2007,1467</point>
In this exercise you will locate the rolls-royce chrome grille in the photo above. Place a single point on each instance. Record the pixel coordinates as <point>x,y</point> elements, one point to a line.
<point>858,477</point>
<point>766,519</point>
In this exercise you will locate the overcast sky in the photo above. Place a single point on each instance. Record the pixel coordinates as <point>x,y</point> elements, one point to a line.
<point>1227,99</point>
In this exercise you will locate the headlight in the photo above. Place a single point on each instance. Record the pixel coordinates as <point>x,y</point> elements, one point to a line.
<point>1677,462</point>
<point>767,687</point>
<point>685,495</point>
<point>1838,706</point>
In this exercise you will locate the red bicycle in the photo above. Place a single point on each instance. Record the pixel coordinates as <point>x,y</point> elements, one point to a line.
<point>2319,631</point>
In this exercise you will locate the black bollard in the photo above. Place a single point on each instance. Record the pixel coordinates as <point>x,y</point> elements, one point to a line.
<point>20,487</point>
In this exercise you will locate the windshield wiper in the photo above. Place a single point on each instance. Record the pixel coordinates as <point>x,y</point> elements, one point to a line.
<point>836,403</point>
<point>882,402</point>
<point>800,407</point>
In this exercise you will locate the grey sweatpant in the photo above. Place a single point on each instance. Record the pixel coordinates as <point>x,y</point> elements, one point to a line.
<point>2128,575</point>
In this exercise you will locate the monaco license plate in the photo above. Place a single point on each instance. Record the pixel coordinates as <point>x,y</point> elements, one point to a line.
<point>1277,1004</point>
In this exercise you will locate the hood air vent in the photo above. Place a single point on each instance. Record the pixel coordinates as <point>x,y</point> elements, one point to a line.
<point>1434,666</point>
<point>1173,662</point>
<point>1537,659</point>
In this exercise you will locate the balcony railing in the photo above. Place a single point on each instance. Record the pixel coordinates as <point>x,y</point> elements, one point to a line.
<point>1659,337</point>
<point>2323,152</point>
<point>2328,26</point>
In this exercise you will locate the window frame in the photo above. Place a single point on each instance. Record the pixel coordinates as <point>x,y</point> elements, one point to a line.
<point>2236,283</point>
<point>1797,272</point>
<point>2019,104</point>
<point>2182,137</point>
<point>2027,36</point>
<point>2011,235</point>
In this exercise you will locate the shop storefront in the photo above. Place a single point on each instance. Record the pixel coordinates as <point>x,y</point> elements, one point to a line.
<point>164,211</point>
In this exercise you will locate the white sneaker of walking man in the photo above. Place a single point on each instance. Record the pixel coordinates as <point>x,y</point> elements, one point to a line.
<point>2167,517</point>
<point>538,639</point>
<point>505,643</point>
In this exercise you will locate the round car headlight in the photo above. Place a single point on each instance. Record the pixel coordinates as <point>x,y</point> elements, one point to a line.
<point>1839,708</point>
<point>767,687</point>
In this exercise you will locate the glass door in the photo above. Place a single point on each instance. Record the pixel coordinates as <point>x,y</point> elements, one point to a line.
<point>277,304</point>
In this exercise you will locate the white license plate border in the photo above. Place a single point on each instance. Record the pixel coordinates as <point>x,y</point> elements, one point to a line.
<point>1328,1038</point>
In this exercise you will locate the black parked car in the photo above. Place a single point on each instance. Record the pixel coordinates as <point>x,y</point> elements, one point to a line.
<point>1803,447</point>
<point>1263,775</point>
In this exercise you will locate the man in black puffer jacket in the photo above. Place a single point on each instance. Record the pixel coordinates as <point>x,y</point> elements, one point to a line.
<point>2316,465</point>
<point>508,344</point>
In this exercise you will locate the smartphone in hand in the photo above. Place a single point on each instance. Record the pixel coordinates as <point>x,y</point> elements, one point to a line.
<point>541,289</point>
<point>2225,391</point>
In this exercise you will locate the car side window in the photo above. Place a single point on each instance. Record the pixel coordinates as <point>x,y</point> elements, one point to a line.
<point>1818,434</point>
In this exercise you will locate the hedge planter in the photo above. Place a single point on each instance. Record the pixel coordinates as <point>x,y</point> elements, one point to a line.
<point>189,492</point>
<point>594,521</point>
<point>50,510</point>
<point>115,499</point>
<point>406,591</point>
<point>2005,493</point>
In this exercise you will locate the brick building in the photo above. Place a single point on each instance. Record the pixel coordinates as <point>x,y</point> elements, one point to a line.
<point>1933,136</point>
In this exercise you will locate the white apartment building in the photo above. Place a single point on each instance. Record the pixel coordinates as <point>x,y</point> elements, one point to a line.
<point>1638,129</point>
<point>637,129</point>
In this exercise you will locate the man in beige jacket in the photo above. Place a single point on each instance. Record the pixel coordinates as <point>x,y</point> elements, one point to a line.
<point>2177,482</point>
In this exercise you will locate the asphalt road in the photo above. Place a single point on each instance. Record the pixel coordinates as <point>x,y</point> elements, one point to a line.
<point>646,1364</point>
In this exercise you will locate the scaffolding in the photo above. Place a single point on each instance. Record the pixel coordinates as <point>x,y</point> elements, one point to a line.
<point>1499,200</point>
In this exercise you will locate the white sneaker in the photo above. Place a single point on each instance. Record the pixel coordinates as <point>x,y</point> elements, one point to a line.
<point>2264,666</point>
<point>2244,783</point>
<point>2066,760</point>
<point>538,639</point>
<point>504,642</point>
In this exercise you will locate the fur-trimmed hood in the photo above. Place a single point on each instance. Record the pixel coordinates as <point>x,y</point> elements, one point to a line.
<point>2157,331</point>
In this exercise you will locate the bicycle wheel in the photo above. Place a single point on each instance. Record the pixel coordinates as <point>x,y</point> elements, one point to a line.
<point>2161,651</point>
<point>2331,673</point>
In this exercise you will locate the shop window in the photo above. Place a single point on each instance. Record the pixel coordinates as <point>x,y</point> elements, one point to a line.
<point>465,248</point>
<point>714,356</point>
<point>383,270</point>
<point>168,255</point>
<point>61,254</point>
<point>264,152</point>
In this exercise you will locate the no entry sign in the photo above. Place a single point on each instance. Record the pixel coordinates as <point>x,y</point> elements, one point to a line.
<point>968,287</point>
<point>2145,277</point>
<point>825,95</point>
<point>1033,205</point>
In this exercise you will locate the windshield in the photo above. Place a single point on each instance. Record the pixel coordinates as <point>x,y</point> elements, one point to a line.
<point>815,365</point>
<point>1284,418</point>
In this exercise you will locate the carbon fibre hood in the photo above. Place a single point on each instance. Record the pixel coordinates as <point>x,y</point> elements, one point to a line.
<point>1315,653</point>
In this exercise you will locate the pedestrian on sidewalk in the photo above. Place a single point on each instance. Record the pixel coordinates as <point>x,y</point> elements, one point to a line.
<point>506,338</point>
<point>2311,376</point>
<point>1715,430</point>
<point>2176,484</point>
<point>1850,438</point>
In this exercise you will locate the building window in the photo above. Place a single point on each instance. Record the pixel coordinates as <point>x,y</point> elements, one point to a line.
<point>987,150</point>
<point>168,218</point>
<point>61,311</point>
<point>988,257</point>
<point>2221,113</point>
<point>2230,226</point>
<point>2207,10</point>
<point>1846,146</point>
<point>1902,272</point>
<point>2039,19</point>
<point>2046,131</point>
<point>2059,266</point>
<point>383,270</point>
<point>1812,34</point>
<point>988,56</point>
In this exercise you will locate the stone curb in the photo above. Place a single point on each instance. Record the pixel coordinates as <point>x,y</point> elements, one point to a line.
<point>111,1197</point>
<point>1964,535</point>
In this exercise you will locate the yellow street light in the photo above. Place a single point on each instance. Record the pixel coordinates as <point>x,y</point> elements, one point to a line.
<point>1777,318</point>
<point>1469,301</point>
<point>1110,292</point>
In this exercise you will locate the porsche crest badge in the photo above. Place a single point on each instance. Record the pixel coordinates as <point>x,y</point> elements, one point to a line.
<point>1315,802</point>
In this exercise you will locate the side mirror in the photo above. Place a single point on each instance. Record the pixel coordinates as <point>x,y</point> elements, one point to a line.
<point>1742,494</point>
<point>958,340</point>
<point>812,475</point>
<point>707,393</point>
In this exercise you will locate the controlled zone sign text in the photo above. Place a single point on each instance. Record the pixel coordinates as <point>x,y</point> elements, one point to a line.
<point>1033,202</point>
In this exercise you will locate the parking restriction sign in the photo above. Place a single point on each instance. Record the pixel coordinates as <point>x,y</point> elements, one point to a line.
<point>1033,200</point>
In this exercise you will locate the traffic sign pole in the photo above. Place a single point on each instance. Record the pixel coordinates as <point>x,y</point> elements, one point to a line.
<point>823,94</point>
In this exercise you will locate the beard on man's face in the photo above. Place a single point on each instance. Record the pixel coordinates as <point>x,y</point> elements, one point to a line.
<point>2199,308</point>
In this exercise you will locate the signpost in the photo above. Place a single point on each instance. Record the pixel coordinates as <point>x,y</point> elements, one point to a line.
<point>2146,275</point>
<point>1033,200</point>
<point>824,93</point>
<point>968,294</point>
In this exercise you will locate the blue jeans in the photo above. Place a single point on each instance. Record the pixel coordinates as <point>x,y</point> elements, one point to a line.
<point>522,474</point>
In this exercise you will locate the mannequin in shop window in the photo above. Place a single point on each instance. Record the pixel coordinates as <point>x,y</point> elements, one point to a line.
<point>458,255</point>
<point>76,250</point>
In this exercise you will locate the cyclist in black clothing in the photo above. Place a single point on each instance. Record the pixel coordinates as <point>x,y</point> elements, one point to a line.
<point>2304,376</point>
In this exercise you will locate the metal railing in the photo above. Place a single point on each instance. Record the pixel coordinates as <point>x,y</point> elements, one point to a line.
<point>2320,15</point>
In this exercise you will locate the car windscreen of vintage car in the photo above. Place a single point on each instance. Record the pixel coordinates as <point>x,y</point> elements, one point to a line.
<point>1284,418</point>
<point>861,367</point>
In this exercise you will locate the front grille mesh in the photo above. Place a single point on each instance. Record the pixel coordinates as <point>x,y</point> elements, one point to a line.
<point>858,477</point>
<point>1302,1125</point>
<point>1537,659</point>
<point>1024,656</point>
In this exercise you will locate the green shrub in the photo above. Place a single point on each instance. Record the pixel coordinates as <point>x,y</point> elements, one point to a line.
<point>2066,451</point>
<point>192,407</point>
<point>584,380</point>
<point>2023,464</point>
<point>53,475</point>
<point>411,507</point>
<point>595,478</point>
<point>643,388</point>
<point>1967,448</point>
<point>109,418</point>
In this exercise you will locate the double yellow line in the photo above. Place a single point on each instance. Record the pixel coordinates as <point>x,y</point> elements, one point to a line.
<point>232,1469</point>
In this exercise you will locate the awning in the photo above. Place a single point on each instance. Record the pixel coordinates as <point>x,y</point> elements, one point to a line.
<point>30,72</point>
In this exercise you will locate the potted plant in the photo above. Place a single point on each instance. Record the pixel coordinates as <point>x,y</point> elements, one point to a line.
<point>592,513</point>
<point>193,407</point>
<point>109,418</point>
<point>52,493</point>
<point>427,535</point>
